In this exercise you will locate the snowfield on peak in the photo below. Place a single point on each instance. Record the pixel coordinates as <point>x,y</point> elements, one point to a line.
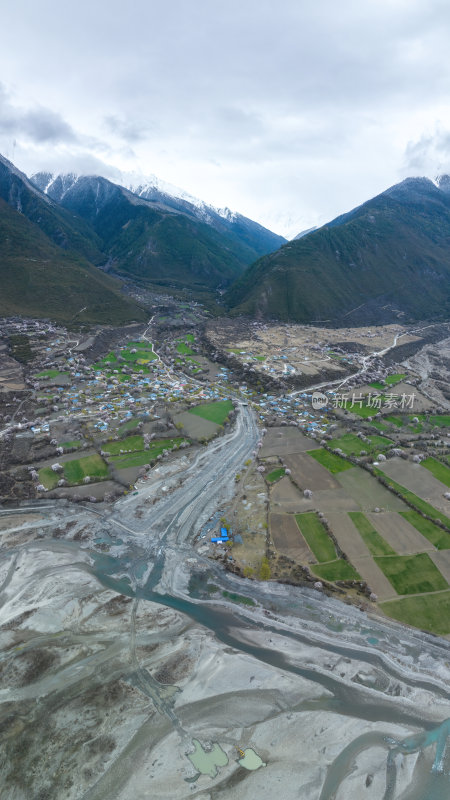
<point>143,185</point>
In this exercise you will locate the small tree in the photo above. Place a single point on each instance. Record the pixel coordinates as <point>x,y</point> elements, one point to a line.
<point>264,570</point>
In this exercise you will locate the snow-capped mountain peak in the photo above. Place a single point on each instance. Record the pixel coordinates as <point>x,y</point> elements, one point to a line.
<point>146,186</point>
<point>80,192</point>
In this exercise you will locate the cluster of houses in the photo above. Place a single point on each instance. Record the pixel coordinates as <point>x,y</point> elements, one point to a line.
<point>97,396</point>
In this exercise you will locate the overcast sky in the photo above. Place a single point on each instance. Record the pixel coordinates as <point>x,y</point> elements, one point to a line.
<point>289,111</point>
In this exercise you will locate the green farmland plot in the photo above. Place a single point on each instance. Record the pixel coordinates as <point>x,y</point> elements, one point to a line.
<point>75,471</point>
<point>316,536</point>
<point>48,478</point>
<point>397,377</point>
<point>391,380</point>
<point>184,349</point>
<point>439,538</point>
<point>416,427</point>
<point>214,412</point>
<point>142,355</point>
<point>50,373</point>
<point>338,570</point>
<point>378,385</point>
<point>71,445</point>
<point>130,425</point>
<point>350,444</point>
<point>374,541</point>
<point>428,612</point>
<point>441,420</point>
<point>137,459</point>
<point>363,411</point>
<point>440,471</point>
<point>398,421</point>
<point>109,358</point>
<point>414,574</point>
<point>141,457</point>
<point>275,475</point>
<point>380,442</point>
<point>330,461</point>
<point>128,445</point>
<point>380,426</point>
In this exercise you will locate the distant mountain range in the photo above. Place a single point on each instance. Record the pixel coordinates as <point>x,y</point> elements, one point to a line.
<point>387,259</point>
<point>66,240</point>
<point>48,260</point>
<point>61,235</point>
<point>153,237</point>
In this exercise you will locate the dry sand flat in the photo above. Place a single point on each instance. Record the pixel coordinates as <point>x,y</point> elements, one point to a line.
<point>288,539</point>
<point>285,440</point>
<point>211,691</point>
<point>419,480</point>
<point>368,492</point>
<point>14,521</point>
<point>308,473</point>
<point>442,560</point>
<point>399,533</point>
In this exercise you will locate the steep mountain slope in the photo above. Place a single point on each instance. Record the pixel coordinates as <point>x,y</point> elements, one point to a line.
<point>305,233</point>
<point>41,278</point>
<point>390,255</point>
<point>243,230</point>
<point>59,225</point>
<point>159,239</point>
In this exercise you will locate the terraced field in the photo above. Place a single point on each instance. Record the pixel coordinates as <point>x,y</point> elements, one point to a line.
<point>403,557</point>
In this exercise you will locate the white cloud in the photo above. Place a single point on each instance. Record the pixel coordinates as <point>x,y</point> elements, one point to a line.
<point>290,112</point>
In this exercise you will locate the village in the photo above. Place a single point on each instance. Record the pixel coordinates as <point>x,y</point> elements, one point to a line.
<point>64,402</point>
<point>97,415</point>
<point>124,401</point>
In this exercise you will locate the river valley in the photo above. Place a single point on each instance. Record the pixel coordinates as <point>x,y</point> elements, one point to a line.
<point>120,650</point>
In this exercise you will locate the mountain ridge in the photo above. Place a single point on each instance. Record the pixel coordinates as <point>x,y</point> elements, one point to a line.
<point>161,241</point>
<point>385,258</point>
